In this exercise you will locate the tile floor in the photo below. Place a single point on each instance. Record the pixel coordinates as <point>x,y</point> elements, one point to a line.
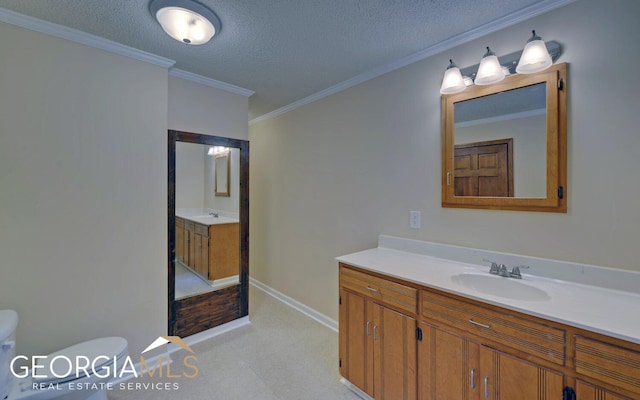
<point>281,355</point>
<point>188,283</point>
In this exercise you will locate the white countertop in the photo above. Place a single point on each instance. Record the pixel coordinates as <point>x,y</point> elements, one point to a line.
<point>603,310</point>
<point>202,216</point>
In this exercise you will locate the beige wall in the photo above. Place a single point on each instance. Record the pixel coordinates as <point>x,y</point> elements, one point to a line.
<point>83,199</point>
<point>190,175</point>
<point>207,110</point>
<point>83,171</point>
<point>329,177</point>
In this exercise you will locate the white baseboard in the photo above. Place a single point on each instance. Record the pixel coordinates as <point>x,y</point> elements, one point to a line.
<point>210,333</point>
<point>295,304</point>
<point>355,389</point>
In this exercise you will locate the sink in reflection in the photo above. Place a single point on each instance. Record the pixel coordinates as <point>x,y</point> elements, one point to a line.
<point>507,288</point>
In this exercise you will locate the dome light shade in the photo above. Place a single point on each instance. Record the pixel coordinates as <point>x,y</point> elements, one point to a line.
<point>185,20</point>
<point>490,71</point>
<point>452,81</point>
<point>535,56</point>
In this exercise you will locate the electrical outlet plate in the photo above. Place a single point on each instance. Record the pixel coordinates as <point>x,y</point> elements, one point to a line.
<point>414,219</point>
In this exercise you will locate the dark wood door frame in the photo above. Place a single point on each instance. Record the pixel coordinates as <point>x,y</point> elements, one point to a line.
<point>204,311</point>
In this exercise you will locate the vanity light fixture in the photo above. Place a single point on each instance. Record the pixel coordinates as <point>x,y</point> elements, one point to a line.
<point>453,82</point>
<point>490,71</point>
<point>535,56</point>
<point>186,21</point>
<point>215,150</point>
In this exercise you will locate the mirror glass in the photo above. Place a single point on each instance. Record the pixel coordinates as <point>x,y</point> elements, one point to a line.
<point>500,144</point>
<point>504,146</point>
<point>222,163</point>
<point>207,245</point>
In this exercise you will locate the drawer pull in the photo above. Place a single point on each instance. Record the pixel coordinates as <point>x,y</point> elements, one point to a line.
<point>486,387</point>
<point>369,288</point>
<point>473,378</point>
<point>471,321</point>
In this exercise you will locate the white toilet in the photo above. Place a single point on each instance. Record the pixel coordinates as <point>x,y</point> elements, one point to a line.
<point>105,352</point>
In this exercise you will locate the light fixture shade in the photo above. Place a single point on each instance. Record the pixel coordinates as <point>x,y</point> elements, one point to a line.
<point>452,81</point>
<point>490,71</point>
<point>185,20</point>
<point>535,56</point>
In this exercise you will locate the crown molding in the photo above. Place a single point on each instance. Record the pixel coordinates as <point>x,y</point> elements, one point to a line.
<point>74,35</point>
<point>178,73</point>
<point>457,40</point>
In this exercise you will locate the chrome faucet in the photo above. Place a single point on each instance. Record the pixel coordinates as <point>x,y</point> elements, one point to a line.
<point>214,214</point>
<point>501,270</point>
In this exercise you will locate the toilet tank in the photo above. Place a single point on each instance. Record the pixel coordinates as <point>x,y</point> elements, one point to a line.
<point>8,325</point>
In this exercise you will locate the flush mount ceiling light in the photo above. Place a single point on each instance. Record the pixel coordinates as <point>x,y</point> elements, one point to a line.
<point>186,21</point>
<point>490,71</point>
<point>535,56</point>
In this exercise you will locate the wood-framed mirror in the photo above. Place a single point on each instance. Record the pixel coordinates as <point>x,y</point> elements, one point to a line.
<point>504,146</point>
<point>208,237</point>
<point>222,173</point>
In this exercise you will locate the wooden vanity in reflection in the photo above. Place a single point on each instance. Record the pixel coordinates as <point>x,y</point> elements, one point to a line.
<point>212,251</point>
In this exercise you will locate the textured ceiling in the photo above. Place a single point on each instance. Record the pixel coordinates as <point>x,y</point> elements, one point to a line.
<point>284,50</point>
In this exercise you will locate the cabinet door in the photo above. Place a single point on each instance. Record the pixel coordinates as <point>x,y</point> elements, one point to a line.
<point>394,354</point>
<point>504,377</point>
<point>180,243</point>
<point>199,257</point>
<point>448,366</point>
<point>585,391</point>
<point>354,330</point>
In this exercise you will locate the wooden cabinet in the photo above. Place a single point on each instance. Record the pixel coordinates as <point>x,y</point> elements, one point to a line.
<point>377,343</point>
<point>454,367</point>
<point>447,347</point>
<point>477,359</point>
<point>212,251</point>
<point>607,369</point>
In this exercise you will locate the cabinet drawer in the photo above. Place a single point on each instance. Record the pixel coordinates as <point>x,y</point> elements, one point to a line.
<point>614,365</point>
<point>518,333</point>
<point>179,222</point>
<point>392,293</point>
<point>202,229</point>
<point>189,225</point>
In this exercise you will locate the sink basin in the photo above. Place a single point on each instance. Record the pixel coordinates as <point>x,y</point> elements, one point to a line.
<point>507,288</point>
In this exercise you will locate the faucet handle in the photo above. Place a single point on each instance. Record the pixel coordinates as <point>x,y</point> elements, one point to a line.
<point>494,266</point>
<point>515,272</point>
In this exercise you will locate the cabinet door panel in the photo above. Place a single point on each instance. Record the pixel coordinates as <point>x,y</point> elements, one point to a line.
<point>585,391</point>
<point>509,378</point>
<point>353,339</point>
<point>394,355</point>
<point>448,366</point>
<point>200,247</point>
<point>180,243</point>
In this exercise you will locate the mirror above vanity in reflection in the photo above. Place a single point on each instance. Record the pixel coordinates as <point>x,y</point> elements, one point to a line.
<point>504,145</point>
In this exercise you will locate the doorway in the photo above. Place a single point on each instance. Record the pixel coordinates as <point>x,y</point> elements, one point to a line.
<point>208,231</point>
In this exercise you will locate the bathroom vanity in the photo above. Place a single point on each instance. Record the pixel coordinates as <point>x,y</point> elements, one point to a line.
<point>416,324</point>
<point>208,245</point>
